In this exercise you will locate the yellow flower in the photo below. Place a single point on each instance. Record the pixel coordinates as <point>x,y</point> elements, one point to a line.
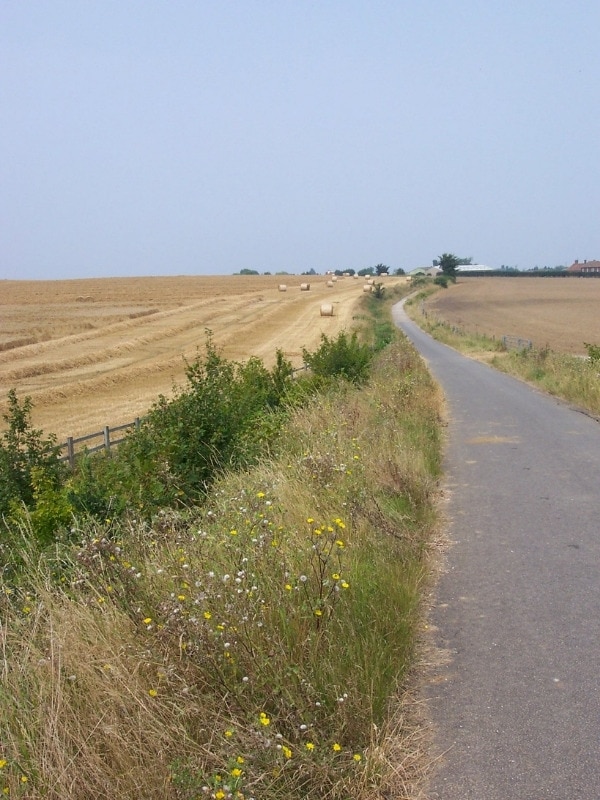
<point>318,612</point>
<point>147,620</point>
<point>236,772</point>
<point>288,587</point>
<point>152,692</point>
<point>310,520</point>
<point>309,746</point>
<point>233,533</point>
<point>345,585</point>
<point>240,760</point>
<point>207,615</point>
<point>260,494</point>
<point>2,763</point>
<point>337,747</point>
<point>264,720</point>
<point>181,597</point>
<point>339,543</point>
<point>228,733</point>
<point>24,778</point>
<point>336,576</point>
<point>286,751</point>
<point>357,757</point>
<point>220,794</point>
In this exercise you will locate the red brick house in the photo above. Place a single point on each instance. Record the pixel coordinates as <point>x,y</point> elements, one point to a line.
<point>585,267</point>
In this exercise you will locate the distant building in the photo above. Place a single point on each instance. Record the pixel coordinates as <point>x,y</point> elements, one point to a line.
<point>584,267</point>
<point>474,268</point>
<point>431,271</point>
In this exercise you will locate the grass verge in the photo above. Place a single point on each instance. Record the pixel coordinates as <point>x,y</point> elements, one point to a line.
<point>252,647</point>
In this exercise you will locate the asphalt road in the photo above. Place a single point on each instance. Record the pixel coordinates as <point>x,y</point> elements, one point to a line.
<point>516,710</point>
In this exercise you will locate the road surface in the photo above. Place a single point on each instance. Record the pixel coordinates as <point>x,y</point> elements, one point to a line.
<point>516,709</point>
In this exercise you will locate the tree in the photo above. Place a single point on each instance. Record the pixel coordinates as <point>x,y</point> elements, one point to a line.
<point>448,263</point>
<point>381,269</point>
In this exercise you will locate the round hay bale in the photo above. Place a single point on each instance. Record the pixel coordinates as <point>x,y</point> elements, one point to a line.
<point>335,277</point>
<point>326,310</point>
<point>355,276</point>
<point>304,287</point>
<point>329,283</point>
<point>367,287</point>
<point>282,287</point>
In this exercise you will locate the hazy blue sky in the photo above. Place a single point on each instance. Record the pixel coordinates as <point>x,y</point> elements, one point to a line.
<point>167,137</point>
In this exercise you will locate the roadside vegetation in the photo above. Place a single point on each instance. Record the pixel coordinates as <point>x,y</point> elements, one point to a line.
<point>228,605</point>
<point>574,379</point>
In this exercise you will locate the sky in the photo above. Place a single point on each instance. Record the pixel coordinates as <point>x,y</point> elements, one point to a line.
<point>188,137</point>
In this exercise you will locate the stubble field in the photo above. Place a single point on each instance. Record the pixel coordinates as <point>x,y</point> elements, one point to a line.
<point>97,352</point>
<point>561,313</point>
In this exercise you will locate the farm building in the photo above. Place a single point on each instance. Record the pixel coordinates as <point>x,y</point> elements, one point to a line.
<point>585,267</point>
<point>474,268</point>
<point>431,271</point>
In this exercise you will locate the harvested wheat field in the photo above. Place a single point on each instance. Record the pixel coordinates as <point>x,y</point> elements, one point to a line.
<point>561,313</point>
<point>97,352</point>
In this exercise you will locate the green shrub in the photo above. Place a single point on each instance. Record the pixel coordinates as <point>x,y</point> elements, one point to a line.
<point>224,417</point>
<point>27,458</point>
<point>343,357</point>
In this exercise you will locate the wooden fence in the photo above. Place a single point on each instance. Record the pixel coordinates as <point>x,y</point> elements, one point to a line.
<point>75,446</point>
<point>516,343</point>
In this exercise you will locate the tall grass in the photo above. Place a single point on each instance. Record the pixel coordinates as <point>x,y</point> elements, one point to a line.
<point>252,647</point>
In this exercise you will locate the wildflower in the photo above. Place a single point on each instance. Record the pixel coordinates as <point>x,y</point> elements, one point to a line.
<point>288,587</point>
<point>337,747</point>
<point>240,759</point>
<point>228,733</point>
<point>236,772</point>
<point>357,757</point>
<point>2,763</point>
<point>336,576</point>
<point>220,794</point>
<point>181,597</point>
<point>207,615</point>
<point>310,520</point>
<point>318,612</point>
<point>260,494</point>
<point>309,746</point>
<point>286,751</point>
<point>339,543</point>
<point>24,778</point>
<point>233,532</point>
<point>264,720</point>
<point>345,585</point>
<point>152,692</point>
<point>147,620</point>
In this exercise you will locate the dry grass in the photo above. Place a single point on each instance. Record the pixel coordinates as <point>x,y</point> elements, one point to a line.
<point>99,351</point>
<point>559,313</point>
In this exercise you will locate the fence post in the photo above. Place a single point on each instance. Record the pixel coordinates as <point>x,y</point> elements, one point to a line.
<point>107,437</point>
<point>71,452</point>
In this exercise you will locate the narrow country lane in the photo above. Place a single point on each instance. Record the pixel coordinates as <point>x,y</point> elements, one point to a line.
<point>516,710</point>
